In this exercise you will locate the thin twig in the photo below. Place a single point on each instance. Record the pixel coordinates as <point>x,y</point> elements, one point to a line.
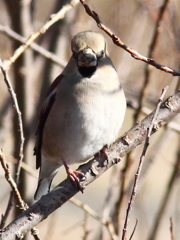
<point>11,181</point>
<point>119,43</point>
<point>54,18</point>
<point>158,146</point>
<point>18,112</point>
<point>146,144</point>
<point>84,227</point>
<point>9,32</point>
<point>20,123</point>
<point>107,222</point>
<point>4,216</point>
<point>87,209</point>
<point>111,230</point>
<point>166,197</point>
<point>22,205</point>
<point>30,170</point>
<point>134,230</point>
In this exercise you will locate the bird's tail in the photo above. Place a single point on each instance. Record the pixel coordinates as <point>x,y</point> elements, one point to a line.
<point>42,188</point>
<point>47,173</point>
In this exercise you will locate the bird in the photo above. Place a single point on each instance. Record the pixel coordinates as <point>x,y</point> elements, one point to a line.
<point>82,113</point>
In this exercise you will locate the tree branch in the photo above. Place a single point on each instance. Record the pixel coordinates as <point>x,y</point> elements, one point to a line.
<point>21,204</point>
<point>119,43</point>
<point>54,18</point>
<point>16,106</point>
<point>9,32</point>
<point>92,170</point>
<point>137,175</point>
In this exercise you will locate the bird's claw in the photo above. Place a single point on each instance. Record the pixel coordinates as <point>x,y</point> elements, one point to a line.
<point>73,175</point>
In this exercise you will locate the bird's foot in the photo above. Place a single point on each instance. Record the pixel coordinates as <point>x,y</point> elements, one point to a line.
<point>73,175</point>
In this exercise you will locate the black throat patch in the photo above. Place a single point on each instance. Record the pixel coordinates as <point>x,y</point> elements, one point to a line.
<point>87,71</point>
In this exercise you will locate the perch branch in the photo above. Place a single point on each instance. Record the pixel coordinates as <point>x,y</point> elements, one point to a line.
<point>92,170</point>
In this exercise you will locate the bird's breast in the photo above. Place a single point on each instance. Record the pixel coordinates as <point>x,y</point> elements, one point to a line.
<point>88,118</point>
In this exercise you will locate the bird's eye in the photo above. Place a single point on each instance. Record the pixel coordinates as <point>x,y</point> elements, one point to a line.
<point>100,54</point>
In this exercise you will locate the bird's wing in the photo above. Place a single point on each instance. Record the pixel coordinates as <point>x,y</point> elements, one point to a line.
<point>48,103</point>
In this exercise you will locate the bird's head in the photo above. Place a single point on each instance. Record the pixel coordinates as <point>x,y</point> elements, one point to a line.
<point>88,49</point>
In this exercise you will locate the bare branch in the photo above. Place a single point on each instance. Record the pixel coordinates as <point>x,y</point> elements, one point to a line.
<point>134,230</point>
<point>11,181</point>
<point>84,227</point>
<point>106,222</point>
<point>87,209</point>
<point>20,124</point>
<point>31,171</point>
<point>119,43</point>
<point>9,32</point>
<point>16,106</point>
<point>21,203</point>
<point>54,18</point>
<point>146,144</point>
<point>111,230</point>
<point>92,170</point>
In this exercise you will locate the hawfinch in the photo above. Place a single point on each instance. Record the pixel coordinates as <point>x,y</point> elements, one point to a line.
<point>83,110</point>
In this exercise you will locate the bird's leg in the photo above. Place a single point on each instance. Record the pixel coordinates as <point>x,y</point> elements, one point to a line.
<point>104,151</point>
<point>73,175</point>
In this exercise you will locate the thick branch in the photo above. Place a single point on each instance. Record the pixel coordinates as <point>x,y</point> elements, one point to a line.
<point>92,170</point>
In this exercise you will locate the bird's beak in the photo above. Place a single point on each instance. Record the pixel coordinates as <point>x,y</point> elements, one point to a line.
<point>87,58</point>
